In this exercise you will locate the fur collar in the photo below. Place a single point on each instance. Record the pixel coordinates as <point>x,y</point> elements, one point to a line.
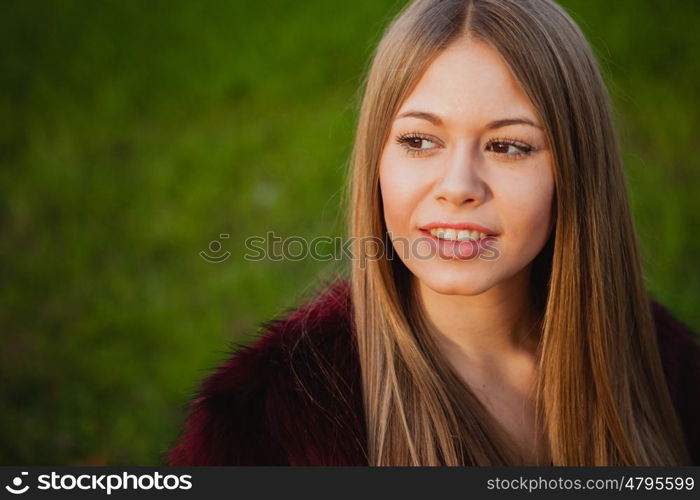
<point>293,396</point>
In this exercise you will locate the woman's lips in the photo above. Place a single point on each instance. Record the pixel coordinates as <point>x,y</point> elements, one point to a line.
<point>468,226</point>
<point>462,250</point>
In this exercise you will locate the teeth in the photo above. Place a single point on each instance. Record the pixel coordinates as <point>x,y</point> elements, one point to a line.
<point>465,236</point>
<point>457,235</point>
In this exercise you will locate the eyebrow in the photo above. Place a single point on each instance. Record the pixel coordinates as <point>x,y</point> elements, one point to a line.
<point>436,120</point>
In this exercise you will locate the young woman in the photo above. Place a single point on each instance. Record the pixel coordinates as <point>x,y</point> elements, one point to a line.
<point>507,321</point>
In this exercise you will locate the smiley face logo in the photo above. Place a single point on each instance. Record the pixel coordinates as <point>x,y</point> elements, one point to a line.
<point>215,248</point>
<point>16,488</point>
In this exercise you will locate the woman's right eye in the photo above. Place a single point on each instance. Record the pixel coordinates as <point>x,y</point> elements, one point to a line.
<point>414,143</point>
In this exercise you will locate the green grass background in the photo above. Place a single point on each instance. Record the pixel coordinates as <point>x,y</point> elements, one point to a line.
<point>132,134</point>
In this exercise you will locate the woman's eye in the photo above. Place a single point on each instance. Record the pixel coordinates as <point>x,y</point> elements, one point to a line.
<point>509,147</point>
<point>416,144</point>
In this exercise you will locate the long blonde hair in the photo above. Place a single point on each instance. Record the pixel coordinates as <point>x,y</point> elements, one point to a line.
<point>601,392</point>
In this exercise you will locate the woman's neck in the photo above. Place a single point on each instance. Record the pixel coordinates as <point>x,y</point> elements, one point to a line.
<point>491,342</point>
<point>485,328</point>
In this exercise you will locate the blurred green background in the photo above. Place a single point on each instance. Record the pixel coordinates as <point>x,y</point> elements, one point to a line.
<point>133,134</point>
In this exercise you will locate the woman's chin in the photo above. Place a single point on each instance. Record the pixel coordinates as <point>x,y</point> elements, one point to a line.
<point>458,283</point>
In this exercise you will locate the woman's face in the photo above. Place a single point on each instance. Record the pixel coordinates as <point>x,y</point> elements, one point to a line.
<point>467,156</point>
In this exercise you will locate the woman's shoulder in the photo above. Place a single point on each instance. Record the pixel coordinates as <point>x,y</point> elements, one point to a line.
<point>284,397</point>
<point>679,348</point>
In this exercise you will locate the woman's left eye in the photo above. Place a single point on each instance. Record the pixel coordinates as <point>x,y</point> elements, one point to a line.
<point>509,147</point>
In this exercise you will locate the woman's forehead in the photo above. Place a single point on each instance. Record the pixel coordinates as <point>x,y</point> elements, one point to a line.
<point>467,82</point>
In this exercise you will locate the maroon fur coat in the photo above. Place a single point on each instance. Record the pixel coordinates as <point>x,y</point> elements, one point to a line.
<point>293,399</point>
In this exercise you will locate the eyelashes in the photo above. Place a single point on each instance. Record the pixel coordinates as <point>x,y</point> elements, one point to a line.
<point>416,138</point>
<point>503,146</point>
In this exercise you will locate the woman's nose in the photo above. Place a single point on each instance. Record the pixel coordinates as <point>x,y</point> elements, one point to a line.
<point>461,181</point>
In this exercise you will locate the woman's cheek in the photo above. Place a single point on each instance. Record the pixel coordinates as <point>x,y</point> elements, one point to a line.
<point>391,198</point>
<point>525,208</point>
<point>399,196</point>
